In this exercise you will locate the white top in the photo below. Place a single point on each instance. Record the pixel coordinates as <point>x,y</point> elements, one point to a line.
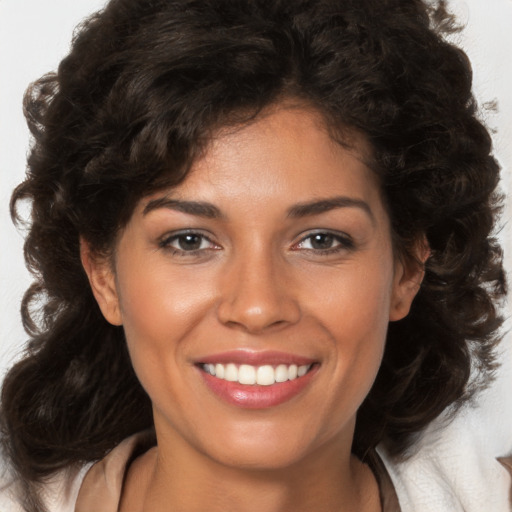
<point>435,480</point>
<point>59,495</point>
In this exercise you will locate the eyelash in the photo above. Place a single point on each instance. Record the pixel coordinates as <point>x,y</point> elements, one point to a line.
<point>344,243</point>
<point>166,242</point>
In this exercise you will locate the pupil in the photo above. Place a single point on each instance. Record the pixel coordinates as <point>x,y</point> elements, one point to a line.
<point>322,241</point>
<point>190,242</point>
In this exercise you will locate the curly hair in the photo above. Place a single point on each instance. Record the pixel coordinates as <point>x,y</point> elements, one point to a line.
<point>140,94</point>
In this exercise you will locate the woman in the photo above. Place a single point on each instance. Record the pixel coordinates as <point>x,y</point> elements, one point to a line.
<point>262,239</point>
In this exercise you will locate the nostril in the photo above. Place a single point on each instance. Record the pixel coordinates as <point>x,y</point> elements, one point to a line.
<point>256,299</point>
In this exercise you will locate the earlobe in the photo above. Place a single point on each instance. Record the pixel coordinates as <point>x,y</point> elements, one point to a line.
<point>402,299</point>
<point>407,282</point>
<point>102,281</point>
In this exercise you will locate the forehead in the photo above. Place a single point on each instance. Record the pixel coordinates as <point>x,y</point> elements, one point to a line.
<point>285,147</point>
<point>276,167</point>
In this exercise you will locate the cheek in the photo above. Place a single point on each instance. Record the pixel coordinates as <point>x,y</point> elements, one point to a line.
<point>159,303</point>
<point>161,315</point>
<point>353,310</point>
<point>359,332</point>
<point>160,309</point>
<point>353,301</point>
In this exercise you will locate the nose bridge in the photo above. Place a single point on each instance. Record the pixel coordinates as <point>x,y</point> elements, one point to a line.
<point>254,294</point>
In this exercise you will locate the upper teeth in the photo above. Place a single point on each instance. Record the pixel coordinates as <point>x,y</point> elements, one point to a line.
<point>263,375</point>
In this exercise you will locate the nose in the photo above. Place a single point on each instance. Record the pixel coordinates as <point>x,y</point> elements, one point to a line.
<point>256,295</point>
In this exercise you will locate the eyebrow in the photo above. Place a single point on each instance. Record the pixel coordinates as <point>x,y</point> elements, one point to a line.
<point>210,211</point>
<point>198,208</point>
<point>324,205</point>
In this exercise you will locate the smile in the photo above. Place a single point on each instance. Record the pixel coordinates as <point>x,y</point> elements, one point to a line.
<point>250,375</point>
<point>257,380</point>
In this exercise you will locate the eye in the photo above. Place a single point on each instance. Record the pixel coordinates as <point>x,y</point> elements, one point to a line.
<point>325,242</point>
<point>187,242</point>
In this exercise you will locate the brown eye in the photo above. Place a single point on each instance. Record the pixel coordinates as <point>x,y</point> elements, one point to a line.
<point>189,242</point>
<point>322,241</point>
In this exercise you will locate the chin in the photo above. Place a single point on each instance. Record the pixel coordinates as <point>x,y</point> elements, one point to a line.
<point>267,446</point>
<point>262,457</point>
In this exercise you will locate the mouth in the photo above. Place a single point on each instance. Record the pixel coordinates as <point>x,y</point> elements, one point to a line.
<point>249,375</point>
<point>257,380</point>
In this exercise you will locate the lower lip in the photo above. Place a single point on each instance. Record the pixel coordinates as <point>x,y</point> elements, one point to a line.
<point>255,396</point>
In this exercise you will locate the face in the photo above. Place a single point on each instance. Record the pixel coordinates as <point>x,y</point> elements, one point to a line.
<point>255,296</point>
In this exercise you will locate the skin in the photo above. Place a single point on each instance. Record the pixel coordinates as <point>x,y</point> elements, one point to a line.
<point>258,282</point>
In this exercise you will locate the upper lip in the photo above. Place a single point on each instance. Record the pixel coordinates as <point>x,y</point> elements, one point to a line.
<point>255,358</point>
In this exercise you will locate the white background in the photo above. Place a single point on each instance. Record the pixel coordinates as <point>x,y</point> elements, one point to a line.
<point>35,35</point>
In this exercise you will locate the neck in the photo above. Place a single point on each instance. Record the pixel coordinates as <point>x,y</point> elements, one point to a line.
<point>330,480</point>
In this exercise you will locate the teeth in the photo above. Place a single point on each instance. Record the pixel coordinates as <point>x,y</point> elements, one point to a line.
<point>247,374</point>
<point>262,375</point>
<point>231,373</point>
<point>265,376</point>
<point>281,373</point>
<point>302,370</point>
<point>219,371</point>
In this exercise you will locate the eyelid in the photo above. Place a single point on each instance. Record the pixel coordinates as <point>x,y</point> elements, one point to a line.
<point>345,241</point>
<point>165,241</point>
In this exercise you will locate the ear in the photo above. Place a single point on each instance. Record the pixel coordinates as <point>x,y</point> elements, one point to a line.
<point>407,280</point>
<point>102,280</point>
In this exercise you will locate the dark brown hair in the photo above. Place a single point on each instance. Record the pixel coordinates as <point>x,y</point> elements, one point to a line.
<point>144,86</point>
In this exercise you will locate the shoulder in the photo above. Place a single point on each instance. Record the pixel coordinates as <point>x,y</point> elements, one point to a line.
<point>8,494</point>
<point>58,493</point>
<point>104,483</point>
<point>71,489</point>
<point>455,468</point>
<point>461,465</point>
